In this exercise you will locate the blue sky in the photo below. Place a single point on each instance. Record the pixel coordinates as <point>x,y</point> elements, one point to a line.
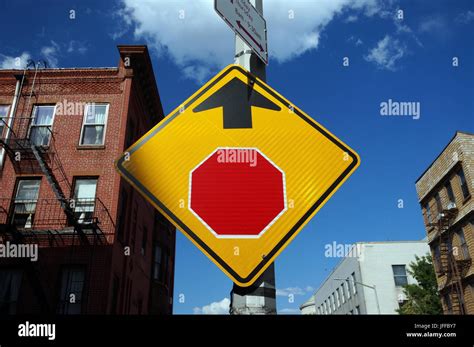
<point>403,60</point>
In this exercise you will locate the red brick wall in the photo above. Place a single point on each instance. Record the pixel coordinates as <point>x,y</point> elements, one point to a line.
<point>123,93</point>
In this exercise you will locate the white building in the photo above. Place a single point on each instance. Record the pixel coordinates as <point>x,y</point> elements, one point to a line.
<point>368,280</point>
<point>308,307</point>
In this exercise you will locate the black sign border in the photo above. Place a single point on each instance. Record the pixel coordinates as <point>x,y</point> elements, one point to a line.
<point>249,279</point>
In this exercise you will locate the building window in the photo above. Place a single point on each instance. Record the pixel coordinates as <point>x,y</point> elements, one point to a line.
<point>3,118</point>
<point>10,283</point>
<point>160,264</point>
<point>333,301</point>
<point>463,183</point>
<point>329,304</point>
<point>463,244</point>
<point>439,205</point>
<point>25,203</point>
<point>437,258</point>
<point>72,286</point>
<point>400,275</point>
<point>447,303</point>
<point>354,287</point>
<point>343,295</point>
<point>429,218</point>
<point>41,125</point>
<point>94,124</point>
<point>449,191</point>
<point>338,298</point>
<point>357,310</point>
<point>84,199</point>
<point>157,263</point>
<point>348,290</point>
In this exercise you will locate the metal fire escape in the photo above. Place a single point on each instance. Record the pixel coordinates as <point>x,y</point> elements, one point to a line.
<point>52,222</point>
<point>452,266</point>
<point>27,156</point>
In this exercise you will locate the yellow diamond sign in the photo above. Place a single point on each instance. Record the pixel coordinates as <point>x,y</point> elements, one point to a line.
<point>239,170</point>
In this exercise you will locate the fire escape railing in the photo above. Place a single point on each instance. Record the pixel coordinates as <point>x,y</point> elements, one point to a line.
<point>43,221</point>
<point>442,214</point>
<point>32,148</point>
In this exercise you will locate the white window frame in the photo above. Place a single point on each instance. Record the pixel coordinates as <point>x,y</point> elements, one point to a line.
<point>395,276</point>
<point>4,131</point>
<point>84,123</point>
<point>354,284</point>
<point>33,118</point>
<point>31,204</point>
<point>5,119</point>
<point>78,206</point>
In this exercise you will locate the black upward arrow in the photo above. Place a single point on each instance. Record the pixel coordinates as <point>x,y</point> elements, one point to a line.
<point>236,99</point>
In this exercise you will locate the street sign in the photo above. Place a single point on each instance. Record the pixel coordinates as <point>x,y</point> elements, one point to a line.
<point>246,22</point>
<point>239,170</point>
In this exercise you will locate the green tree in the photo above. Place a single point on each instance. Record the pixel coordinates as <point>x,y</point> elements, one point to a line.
<point>422,298</point>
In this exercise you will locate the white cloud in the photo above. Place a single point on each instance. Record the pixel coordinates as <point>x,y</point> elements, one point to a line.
<point>435,24</point>
<point>197,72</point>
<point>351,19</point>
<point>193,35</point>
<point>50,54</point>
<point>466,17</point>
<point>9,62</point>
<point>387,52</point>
<point>218,307</point>
<point>403,29</point>
<point>76,46</point>
<point>294,291</point>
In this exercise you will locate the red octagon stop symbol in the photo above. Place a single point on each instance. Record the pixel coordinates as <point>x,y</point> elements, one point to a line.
<point>237,192</point>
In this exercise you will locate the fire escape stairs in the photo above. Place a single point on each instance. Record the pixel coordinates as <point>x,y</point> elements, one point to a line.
<point>56,187</point>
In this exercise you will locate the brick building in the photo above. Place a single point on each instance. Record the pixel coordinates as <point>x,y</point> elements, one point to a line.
<point>101,247</point>
<point>445,193</point>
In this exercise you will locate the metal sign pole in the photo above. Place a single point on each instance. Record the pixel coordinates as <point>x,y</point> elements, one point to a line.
<point>260,298</point>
